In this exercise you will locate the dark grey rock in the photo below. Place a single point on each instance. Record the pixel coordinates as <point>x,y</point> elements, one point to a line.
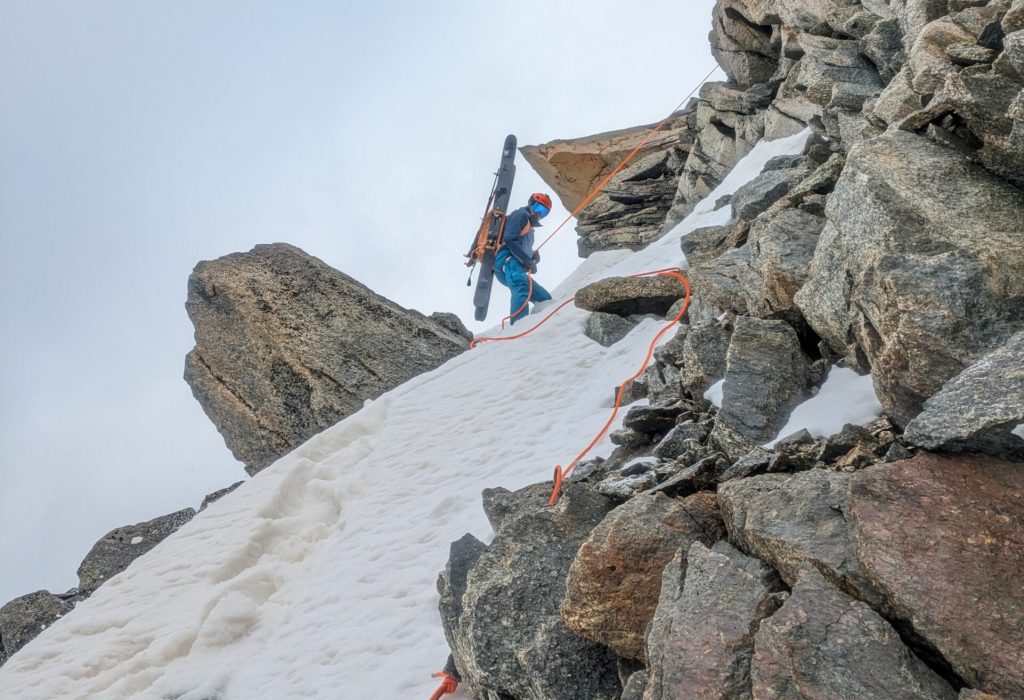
<point>607,329</point>
<point>822,643</point>
<point>218,494</point>
<point>977,409</point>
<point>724,284</point>
<point>463,555</point>
<point>650,420</point>
<point>970,54</point>
<point>451,322</point>
<point>741,46</point>
<point>509,640</point>
<point>705,244</point>
<point>626,296</point>
<point>624,486</point>
<point>664,384</point>
<point>22,619</point>
<point>635,686</point>
<point>701,639</point>
<point>790,519</point>
<point>704,353</point>
<point>765,378</point>
<point>764,190</point>
<point>751,464</point>
<point>911,222</point>
<point>628,438</point>
<point>121,546</point>
<point>287,346</point>
<point>676,440</point>
<point>784,162</point>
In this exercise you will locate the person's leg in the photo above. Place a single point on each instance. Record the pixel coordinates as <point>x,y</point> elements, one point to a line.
<point>499,268</point>
<point>519,284</point>
<point>539,293</point>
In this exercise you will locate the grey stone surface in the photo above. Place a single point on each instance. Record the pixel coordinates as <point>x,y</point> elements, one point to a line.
<point>764,190</point>
<point>741,46</point>
<point>675,442</point>
<point>218,494</point>
<point>705,244</point>
<point>704,352</point>
<point>22,619</point>
<point>653,294</point>
<point>977,409</point>
<point>701,639</point>
<point>725,283</point>
<point>120,547</point>
<point>452,323</point>
<point>765,378</point>
<point>792,519</point>
<point>507,638</point>
<point>969,54</point>
<point>286,346</point>
<point>919,270</point>
<point>781,249</point>
<point>824,644</point>
<point>607,329</point>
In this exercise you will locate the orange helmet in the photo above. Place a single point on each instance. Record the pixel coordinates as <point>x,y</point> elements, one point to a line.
<point>542,199</point>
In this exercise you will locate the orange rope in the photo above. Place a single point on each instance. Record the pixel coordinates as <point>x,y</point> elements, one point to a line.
<point>447,687</point>
<point>620,166</point>
<point>560,473</point>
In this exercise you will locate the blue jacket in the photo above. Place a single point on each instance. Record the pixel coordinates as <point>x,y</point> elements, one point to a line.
<point>518,238</point>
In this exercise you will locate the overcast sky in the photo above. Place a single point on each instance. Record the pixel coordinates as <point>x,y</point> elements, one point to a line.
<point>138,137</point>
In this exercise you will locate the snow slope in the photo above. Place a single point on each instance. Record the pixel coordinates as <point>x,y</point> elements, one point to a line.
<point>316,579</point>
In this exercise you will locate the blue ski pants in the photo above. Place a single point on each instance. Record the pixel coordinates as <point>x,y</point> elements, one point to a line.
<point>510,273</point>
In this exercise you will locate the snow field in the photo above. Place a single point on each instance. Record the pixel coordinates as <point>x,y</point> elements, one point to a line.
<point>316,578</point>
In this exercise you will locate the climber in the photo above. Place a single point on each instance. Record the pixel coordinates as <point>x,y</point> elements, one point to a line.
<point>517,255</point>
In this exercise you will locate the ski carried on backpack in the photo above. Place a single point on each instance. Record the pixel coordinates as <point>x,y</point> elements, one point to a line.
<point>492,227</point>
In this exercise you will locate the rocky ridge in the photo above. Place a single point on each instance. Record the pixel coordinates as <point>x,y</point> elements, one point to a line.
<point>287,346</point>
<point>890,245</point>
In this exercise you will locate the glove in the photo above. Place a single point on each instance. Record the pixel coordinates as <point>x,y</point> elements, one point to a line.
<point>533,269</point>
<point>536,257</point>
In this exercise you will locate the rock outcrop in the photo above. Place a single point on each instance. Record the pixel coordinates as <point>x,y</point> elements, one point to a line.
<point>120,547</point>
<point>22,619</point>
<point>822,643</point>
<point>919,268</point>
<point>613,584</point>
<point>631,208</point>
<point>959,547</point>
<point>286,346</point>
<point>500,603</point>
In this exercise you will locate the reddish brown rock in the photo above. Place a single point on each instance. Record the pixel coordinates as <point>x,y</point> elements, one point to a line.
<point>942,538</point>
<point>613,585</point>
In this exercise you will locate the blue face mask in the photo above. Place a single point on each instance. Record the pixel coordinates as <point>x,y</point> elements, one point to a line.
<point>539,209</point>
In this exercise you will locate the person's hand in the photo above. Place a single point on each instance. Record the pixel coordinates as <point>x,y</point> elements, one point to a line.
<point>533,269</point>
<point>536,257</point>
